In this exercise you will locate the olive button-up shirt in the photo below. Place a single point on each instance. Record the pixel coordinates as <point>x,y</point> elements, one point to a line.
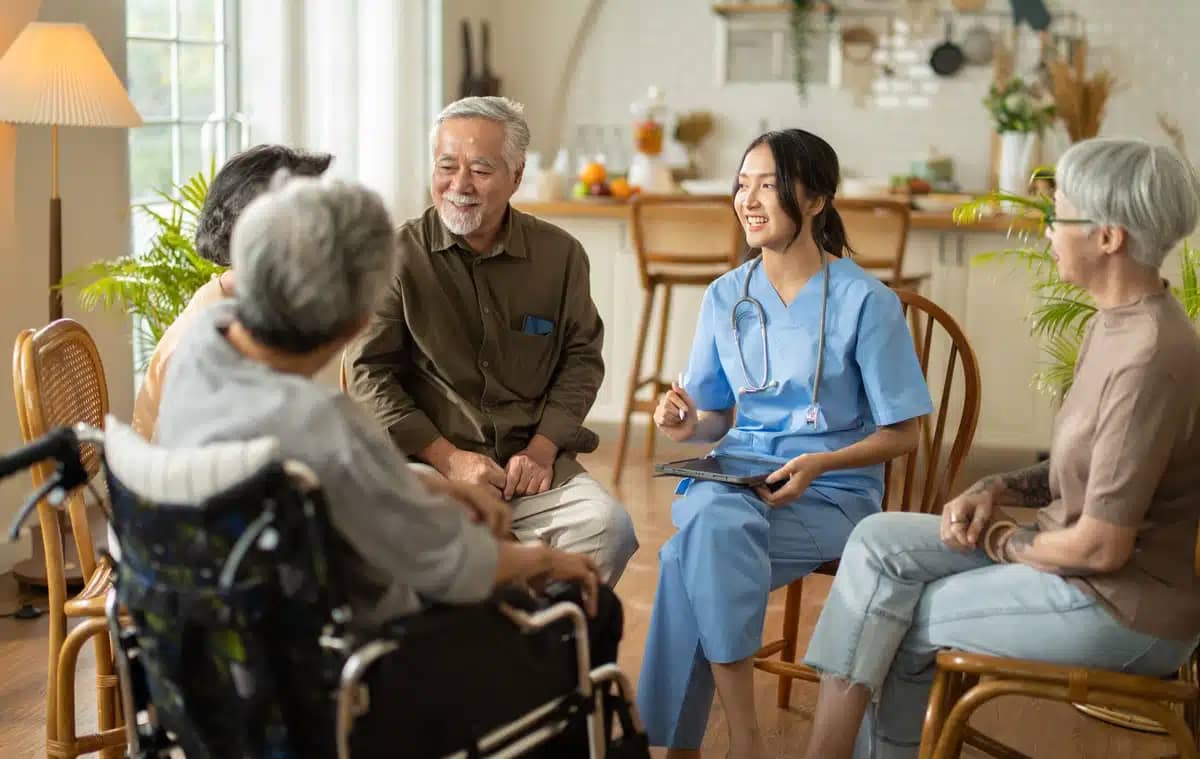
<point>484,350</point>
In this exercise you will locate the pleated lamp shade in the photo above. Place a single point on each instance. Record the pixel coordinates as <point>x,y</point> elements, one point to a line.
<point>57,74</point>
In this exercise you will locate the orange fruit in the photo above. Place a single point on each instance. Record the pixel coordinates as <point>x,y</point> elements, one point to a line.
<point>620,188</point>
<point>593,173</point>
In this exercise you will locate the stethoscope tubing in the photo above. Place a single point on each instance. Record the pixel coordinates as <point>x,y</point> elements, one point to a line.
<point>767,383</point>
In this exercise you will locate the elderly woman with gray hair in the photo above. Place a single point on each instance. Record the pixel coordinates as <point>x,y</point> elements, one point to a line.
<point>1105,576</point>
<point>241,179</point>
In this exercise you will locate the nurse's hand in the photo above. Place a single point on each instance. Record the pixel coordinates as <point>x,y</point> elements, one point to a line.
<point>796,476</point>
<point>965,519</point>
<point>676,414</point>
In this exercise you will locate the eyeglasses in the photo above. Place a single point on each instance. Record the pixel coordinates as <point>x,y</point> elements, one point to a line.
<point>1051,220</point>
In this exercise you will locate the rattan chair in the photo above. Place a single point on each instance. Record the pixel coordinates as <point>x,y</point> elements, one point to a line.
<point>59,380</point>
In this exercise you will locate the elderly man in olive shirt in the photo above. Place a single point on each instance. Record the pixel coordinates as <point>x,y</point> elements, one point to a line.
<point>484,358</point>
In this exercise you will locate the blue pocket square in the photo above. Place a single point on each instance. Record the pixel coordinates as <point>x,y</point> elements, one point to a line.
<point>536,325</point>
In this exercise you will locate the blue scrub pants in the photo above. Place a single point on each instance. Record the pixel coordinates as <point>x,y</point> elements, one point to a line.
<point>715,575</point>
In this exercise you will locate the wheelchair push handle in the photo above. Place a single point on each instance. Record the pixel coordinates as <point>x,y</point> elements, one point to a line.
<point>61,444</point>
<point>53,445</point>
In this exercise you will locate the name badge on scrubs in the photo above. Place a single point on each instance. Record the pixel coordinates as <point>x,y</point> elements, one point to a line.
<point>812,415</point>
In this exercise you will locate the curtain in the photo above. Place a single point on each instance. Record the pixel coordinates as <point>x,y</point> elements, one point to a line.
<point>350,78</point>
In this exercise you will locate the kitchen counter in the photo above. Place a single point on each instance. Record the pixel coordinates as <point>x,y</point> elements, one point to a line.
<point>935,221</point>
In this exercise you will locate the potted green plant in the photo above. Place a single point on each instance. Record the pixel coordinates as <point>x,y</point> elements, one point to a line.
<point>1062,313</point>
<point>154,285</point>
<point>1019,113</point>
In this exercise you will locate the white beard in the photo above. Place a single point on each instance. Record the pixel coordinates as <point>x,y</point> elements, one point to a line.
<point>460,221</point>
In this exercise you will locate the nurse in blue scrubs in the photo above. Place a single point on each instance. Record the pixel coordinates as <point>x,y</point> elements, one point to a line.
<point>802,358</point>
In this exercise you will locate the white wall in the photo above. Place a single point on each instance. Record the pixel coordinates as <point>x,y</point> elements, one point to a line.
<point>535,75</point>
<point>94,185</point>
<point>671,43</point>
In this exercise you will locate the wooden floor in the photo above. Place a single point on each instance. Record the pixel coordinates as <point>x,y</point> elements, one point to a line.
<point>1040,729</point>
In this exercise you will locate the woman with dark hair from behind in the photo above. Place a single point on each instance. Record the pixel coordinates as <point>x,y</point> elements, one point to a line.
<point>800,358</point>
<point>243,178</point>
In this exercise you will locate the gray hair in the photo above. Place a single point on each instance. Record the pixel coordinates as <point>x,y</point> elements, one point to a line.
<point>500,109</point>
<point>313,257</point>
<point>240,181</point>
<point>1150,191</point>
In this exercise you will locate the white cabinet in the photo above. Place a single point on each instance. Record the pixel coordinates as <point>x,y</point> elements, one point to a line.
<point>1014,413</point>
<point>618,294</point>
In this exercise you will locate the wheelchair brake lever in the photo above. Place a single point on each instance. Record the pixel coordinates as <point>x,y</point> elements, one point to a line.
<point>48,487</point>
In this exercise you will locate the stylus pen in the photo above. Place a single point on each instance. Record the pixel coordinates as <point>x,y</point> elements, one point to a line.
<point>680,380</point>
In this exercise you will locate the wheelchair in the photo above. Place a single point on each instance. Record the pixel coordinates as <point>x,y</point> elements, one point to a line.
<point>234,638</point>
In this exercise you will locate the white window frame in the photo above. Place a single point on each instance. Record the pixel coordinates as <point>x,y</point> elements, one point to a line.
<point>230,130</point>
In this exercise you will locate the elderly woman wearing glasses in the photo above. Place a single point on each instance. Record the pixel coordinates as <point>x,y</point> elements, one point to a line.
<point>1104,578</point>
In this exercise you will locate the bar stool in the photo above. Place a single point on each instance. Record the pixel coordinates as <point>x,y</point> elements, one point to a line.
<point>679,240</point>
<point>878,231</point>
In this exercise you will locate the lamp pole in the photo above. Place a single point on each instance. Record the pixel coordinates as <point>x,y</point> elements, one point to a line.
<point>56,310</point>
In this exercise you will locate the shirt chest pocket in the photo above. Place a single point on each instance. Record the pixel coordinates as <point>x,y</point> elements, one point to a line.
<point>526,363</point>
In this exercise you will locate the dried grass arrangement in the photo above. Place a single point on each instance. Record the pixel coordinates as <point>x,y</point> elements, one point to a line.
<point>1080,100</point>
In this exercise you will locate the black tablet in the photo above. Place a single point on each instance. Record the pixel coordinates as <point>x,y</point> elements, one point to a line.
<point>736,470</point>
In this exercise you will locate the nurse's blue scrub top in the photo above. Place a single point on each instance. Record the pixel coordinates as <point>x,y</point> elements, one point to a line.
<point>871,376</point>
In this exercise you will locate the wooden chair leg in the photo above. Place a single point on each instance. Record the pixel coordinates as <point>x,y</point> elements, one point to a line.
<point>634,379</point>
<point>651,430</point>
<point>52,545</point>
<point>791,631</point>
<point>941,698</point>
<point>68,658</point>
<point>58,626</point>
<point>107,713</point>
<point>1190,673</point>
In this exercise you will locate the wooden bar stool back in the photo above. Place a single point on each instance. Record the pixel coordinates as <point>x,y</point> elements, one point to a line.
<point>878,232</point>
<point>679,241</point>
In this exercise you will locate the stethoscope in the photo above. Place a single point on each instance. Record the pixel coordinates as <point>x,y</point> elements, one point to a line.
<point>767,383</point>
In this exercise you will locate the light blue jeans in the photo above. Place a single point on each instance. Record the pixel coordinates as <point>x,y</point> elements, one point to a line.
<point>901,595</point>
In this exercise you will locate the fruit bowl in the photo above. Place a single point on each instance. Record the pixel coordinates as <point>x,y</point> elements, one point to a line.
<point>939,202</point>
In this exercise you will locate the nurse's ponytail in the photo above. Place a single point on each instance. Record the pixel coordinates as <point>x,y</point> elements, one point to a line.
<point>829,231</point>
<point>805,161</point>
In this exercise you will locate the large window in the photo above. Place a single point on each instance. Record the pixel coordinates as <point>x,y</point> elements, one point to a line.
<point>182,69</point>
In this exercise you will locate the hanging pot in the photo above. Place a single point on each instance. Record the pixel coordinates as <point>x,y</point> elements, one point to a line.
<point>859,44</point>
<point>947,58</point>
<point>978,45</point>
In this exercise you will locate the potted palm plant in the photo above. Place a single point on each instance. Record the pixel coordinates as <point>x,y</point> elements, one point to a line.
<point>1062,313</point>
<point>156,284</point>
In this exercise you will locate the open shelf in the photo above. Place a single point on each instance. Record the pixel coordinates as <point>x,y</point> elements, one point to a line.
<point>741,9</point>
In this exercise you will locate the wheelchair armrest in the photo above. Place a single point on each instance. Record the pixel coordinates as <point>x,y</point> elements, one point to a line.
<point>558,612</point>
<point>611,673</point>
<point>352,697</point>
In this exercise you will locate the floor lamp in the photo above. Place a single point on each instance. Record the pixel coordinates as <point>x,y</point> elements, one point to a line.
<point>56,75</point>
